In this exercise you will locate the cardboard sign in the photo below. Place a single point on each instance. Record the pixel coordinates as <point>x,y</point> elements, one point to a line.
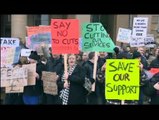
<point>95,38</point>
<point>17,76</point>
<point>122,79</point>
<point>31,73</point>
<point>65,36</point>
<point>14,89</point>
<point>49,82</point>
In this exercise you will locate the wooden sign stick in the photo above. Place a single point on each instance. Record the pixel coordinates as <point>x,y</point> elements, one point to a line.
<point>95,70</point>
<point>65,63</point>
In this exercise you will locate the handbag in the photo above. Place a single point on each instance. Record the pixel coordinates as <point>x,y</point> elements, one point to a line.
<point>88,85</point>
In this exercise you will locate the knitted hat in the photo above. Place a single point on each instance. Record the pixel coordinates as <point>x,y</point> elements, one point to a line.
<point>136,55</point>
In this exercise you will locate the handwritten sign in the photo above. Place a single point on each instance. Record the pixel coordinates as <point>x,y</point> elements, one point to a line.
<point>140,27</point>
<point>137,41</point>
<point>14,89</point>
<point>16,76</point>
<point>149,40</point>
<point>124,35</point>
<point>65,36</point>
<point>9,42</point>
<point>122,79</point>
<point>49,82</point>
<point>95,38</point>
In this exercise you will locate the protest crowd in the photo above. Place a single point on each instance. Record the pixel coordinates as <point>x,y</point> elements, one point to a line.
<point>70,75</point>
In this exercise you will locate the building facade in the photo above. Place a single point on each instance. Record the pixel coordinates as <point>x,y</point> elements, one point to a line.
<point>15,25</point>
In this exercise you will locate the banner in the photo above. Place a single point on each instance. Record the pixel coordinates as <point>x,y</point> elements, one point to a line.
<point>65,36</point>
<point>122,79</point>
<point>95,38</point>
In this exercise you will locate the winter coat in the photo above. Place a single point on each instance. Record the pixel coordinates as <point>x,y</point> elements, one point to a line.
<point>150,91</point>
<point>88,68</point>
<point>54,65</point>
<point>76,90</point>
<point>154,63</point>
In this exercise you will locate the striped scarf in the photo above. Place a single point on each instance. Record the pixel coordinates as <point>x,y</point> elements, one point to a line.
<point>64,93</point>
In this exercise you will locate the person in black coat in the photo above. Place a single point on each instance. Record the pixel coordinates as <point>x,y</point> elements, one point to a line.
<point>151,89</point>
<point>54,64</point>
<point>88,67</point>
<point>155,62</point>
<point>71,84</point>
<point>32,93</point>
<point>16,98</point>
<point>143,58</point>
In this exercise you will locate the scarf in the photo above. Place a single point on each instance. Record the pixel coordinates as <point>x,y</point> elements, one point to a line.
<point>64,93</point>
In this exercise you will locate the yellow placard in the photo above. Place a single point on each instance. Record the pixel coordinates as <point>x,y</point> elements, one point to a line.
<point>122,79</point>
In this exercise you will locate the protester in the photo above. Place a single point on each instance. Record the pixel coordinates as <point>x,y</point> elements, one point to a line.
<point>54,64</point>
<point>16,98</point>
<point>151,89</point>
<point>71,83</point>
<point>32,93</point>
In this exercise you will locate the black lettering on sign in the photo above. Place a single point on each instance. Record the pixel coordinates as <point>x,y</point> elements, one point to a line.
<point>138,34</point>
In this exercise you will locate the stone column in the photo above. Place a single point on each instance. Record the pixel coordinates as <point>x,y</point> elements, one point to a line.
<point>83,19</point>
<point>18,26</point>
<point>123,22</point>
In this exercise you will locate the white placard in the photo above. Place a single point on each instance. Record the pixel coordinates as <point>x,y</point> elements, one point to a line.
<point>124,35</point>
<point>140,27</point>
<point>25,52</point>
<point>137,42</point>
